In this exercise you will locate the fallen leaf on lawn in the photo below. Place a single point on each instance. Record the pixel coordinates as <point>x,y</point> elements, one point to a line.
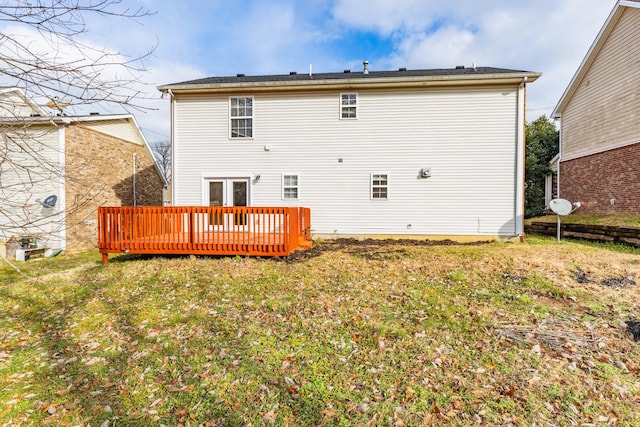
<point>270,417</point>
<point>328,413</point>
<point>409,393</point>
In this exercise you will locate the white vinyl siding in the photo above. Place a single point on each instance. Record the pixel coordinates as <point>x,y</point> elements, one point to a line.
<point>468,137</point>
<point>602,114</point>
<point>122,129</point>
<point>34,174</point>
<point>13,105</point>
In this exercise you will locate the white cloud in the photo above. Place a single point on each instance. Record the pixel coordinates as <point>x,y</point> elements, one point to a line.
<point>547,36</point>
<point>205,38</point>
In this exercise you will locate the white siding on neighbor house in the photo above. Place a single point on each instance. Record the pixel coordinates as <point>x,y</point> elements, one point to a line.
<point>604,111</point>
<point>467,137</point>
<point>32,171</point>
<point>121,128</point>
<point>13,104</point>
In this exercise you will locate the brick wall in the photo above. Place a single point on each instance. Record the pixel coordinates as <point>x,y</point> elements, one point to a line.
<point>605,183</point>
<point>99,172</point>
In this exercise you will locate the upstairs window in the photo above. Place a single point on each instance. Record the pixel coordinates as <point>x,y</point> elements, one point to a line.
<point>241,114</point>
<point>290,187</point>
<point>349,106</point>
<point>379,185</point>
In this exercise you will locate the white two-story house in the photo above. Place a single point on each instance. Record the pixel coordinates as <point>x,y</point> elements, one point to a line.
<point>434,153</point>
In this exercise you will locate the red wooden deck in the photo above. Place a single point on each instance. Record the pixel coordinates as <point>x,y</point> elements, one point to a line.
<point>203,230</point>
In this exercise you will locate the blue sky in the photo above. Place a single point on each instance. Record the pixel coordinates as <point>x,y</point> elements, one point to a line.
<point>200,38</point>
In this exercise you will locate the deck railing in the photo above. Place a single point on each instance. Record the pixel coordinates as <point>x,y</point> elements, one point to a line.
<point>204,230</point>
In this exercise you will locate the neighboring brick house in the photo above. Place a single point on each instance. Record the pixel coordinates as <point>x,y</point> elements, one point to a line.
<point>599,120</point>
<point>76,163</point>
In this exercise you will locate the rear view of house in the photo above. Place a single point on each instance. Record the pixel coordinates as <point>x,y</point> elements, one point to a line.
<point>599,120</point>
<point>56,170</point>
<point>435,153</point>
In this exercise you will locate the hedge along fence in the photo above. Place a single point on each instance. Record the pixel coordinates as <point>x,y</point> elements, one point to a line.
<point>599,233</point>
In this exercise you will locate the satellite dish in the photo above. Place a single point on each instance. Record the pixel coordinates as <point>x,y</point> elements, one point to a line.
<point>50,201</point>
<point>561,206</point>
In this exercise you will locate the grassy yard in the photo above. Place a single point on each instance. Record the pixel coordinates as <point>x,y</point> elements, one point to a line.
<point>386,333</point>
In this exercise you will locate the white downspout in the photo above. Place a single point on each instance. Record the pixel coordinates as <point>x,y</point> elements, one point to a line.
<point>171,143</point>
<point>520,160</point>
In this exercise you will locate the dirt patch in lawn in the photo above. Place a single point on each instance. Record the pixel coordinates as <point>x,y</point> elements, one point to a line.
<point>371,249</point>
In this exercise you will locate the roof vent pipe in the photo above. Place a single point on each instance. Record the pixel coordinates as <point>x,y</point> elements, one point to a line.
<point>366,67</point>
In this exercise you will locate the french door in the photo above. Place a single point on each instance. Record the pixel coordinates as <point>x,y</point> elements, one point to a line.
<point>227,192</point>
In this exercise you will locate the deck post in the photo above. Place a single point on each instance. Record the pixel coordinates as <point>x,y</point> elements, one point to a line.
<point>105,258</point>
<point>294,227</point>
<point>192,238</point>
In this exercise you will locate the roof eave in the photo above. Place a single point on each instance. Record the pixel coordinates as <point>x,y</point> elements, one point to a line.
<point>44,119</point>
<point>368,83</point>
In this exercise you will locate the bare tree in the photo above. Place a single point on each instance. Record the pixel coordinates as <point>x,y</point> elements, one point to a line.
<point>162,153</point>
<point>42,53</point>
<point>85,74</point>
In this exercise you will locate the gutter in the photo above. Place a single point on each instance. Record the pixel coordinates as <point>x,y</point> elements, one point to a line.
<point>359,83</point>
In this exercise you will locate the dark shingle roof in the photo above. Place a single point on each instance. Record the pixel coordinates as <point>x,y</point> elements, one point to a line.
<point>346,75</point>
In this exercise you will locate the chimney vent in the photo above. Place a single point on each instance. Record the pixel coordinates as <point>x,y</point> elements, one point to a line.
<point>240,75</point>
<point>347,71</point>
<point>459,67</point>
<point>402,69</point>
<point>366,67</point>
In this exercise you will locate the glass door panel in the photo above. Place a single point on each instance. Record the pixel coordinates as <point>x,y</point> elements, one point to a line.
<point>216,198</point>
<point>240,199</point>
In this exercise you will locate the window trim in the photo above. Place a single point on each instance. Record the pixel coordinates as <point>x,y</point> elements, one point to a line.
<point>372,186</point>
<point>354,105</point>
<point>251,117</point>
<point>284,186</point>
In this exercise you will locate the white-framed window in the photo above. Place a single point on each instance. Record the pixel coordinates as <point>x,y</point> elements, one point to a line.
<point>241,117</point>
<point>349,106</point>
<point>379,186</point>
<point>290,186</point>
